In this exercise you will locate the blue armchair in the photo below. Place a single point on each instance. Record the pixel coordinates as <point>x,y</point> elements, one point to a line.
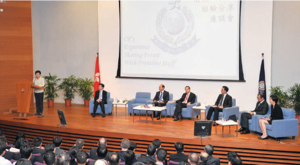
<point>108,106</point>
<point>186,112</point>
<point>252,124</point>
<point>141,98</point>
<point>286,127</point>
<point>234,110</point>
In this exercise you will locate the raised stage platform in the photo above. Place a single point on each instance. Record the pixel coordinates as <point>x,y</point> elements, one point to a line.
<point>80,124</point>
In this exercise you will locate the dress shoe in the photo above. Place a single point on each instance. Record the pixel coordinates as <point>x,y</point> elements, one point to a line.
<point>36,114</point>
<point>214,124</point>
<point>180,117</point>
<point>240,130</point>
<point>93,115</point>
<point>103,115</point>
<point>245,132</point>
<point>260,138</point>
<point>158,118</point>
<point>176,119</point>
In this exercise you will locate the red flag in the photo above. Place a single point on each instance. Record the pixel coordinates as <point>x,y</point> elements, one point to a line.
<point>97,79</point>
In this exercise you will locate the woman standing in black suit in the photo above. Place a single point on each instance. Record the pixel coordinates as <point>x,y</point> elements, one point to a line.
<point>276,114</point>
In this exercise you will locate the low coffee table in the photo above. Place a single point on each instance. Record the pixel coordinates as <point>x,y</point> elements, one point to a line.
<point>226,123</point>
<point>150,108</point>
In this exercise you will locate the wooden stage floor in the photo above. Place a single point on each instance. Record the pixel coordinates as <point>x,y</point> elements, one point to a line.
<point>79,120</point>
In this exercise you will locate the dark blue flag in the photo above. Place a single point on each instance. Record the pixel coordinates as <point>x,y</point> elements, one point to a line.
<point>262,79</point>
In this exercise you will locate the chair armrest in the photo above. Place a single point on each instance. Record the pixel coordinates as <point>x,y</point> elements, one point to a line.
<point>231,111</point>
<point>131,101</point>
<point>149,101</point>
<point>285,127</point>
<point>110,101</point>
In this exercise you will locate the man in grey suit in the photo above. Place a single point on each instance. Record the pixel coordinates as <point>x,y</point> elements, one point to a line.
<point>261,108</point>
<point>209,149</point>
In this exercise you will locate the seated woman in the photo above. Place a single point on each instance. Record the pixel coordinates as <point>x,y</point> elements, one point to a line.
<point>276,114</point>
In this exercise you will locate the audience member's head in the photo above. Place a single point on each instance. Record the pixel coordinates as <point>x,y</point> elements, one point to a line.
<point>179,147</point>
<point>19,135</point>
<point>25,142</point>
<point>161,155</point>
<point>193,158</point>
<point>100,162</point>
<point>26,151</point>
<point>1,132</point>
<point>132,146</point>
<point>37,142</point>
<point>203,156</point>
<point>151,150</point>
<point>233,158</point>
<point>79,143</point>
<point>81,157</point>
<point>3,138</point>
<point>49,158</point>
<point>72,153</point>
<point>102,141</point>
<point>18,143</point>
<point>50,147</point>
<point>101,152</point>
<point>23,161</point>
<point>2,147</point>
<point>209,149</point>
<point>149,163</point>
<point>62,159</point>
<point>129,157</point>
<point>156,143</point>
<point>125,144</point>
<point>113,158</point>
<point>57,141</point>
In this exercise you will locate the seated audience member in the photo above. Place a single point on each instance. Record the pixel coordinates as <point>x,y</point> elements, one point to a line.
<point>3,161</point>
<point>209,149</point>
<point>186,99</point>
<point>180,156</point>
<point>150,156</point>
<point>57,141</point>
<point>101,162</point>
<point>276,114</point>
<point>125,144</point>
<point>102,153</point>
<point>7,155</point>
<point>161,99</point>
<point>224,100</point>
<point>19,135</point>
<point>50,147</point>
<point>81,157</point>
<point>193,158</point>
<point>72,153</point>
<point>101,144</point>
<point>129,157</point>
<point>113,159</point>
<point>23,161</point>
<point>63,159</point>
<point>261,108</point>
<point>26,152</point>
<point>160,156</point>
<point>233,158</point>
<point>79,144</point>
<point>132,148</point>
<point>38,149</point>
<point>156,143</point>
<point>49,158</point>
<point>18,144</point>
<point>203,158</point>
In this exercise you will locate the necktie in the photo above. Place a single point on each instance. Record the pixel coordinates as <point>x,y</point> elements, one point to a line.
<point>186,98</point>
<point>160,96</point>
<point>221,101</point>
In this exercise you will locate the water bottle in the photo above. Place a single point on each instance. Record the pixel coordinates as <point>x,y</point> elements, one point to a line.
<point>221,116</point>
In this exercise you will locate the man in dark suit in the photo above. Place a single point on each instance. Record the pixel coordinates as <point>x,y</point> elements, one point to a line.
<point>150,155</point>
<point>100,99</point>
<point>180,156</point>
<point>38,149</point>
<point>187,99</point>
<point>209,149</point>
<point>261,108</point>
<point>161,98</point>
<point>224,100</point>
